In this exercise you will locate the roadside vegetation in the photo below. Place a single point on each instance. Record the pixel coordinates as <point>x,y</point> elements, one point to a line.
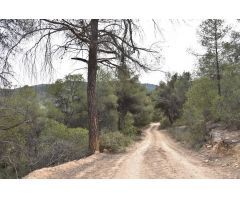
<point>189,103</point>
<point>46,125</point>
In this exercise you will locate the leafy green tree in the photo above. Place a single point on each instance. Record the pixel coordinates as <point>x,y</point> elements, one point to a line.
<point>212,33</point>
<point>70,97</point>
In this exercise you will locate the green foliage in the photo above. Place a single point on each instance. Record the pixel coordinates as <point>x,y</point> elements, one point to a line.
<point>201,102</point>
<point>209,100</point>
<point>30,138</point>
<point>20,125</point>
<point>106,102</point>
<point>231,49</point>
<point>53,144</point>
<point>58,144</point>
<point>114,142</point>
<point>38,132</point>
<point>192,138</point>
<point>129,128</point>
<point>212,34</point>
<point>145,115</point>
<point>204,104</point>
<point>212,30</point>
<point>170,97</point>
<point>164,123</point>
<point>52,112</point>
<point>200,107</point>
<point>228,106</point>
<point>70,98</point>
<point>133,98</point>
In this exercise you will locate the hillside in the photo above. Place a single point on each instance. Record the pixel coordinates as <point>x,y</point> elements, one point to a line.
<point>150,87</point>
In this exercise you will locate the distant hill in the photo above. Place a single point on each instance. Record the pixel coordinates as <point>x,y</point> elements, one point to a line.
<point>42,89</point>
<point>150,87</point>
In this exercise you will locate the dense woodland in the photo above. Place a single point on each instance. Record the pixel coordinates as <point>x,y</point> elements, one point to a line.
<point>46,125</point>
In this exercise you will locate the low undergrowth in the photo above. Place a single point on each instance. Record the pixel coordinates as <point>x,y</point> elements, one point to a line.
<point>190,138</point>
<point>117,142</point>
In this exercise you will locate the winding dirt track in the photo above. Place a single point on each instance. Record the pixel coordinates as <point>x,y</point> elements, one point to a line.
<point>157,156</point>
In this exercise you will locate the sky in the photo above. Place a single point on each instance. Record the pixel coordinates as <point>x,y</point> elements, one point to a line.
<point>175,38</point>
<point>178,38</point>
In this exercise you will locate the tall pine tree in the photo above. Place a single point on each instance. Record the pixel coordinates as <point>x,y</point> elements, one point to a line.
<point>212,33</point>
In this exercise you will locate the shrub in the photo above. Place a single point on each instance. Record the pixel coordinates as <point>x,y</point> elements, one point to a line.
<point>201,102</point>
<point>60,144</point>
<point>192,138</point>
<point>201,106</point>
<point>129,128</point>
<point>114,142</point>
<point>164,123</point>
<point>53,112</point>
<point>229,103</point>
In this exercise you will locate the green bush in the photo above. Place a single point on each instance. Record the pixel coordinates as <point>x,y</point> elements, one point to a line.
<point>58,143</point>
<point>201,106</point>
<point>164,123</point>
<point>228,106</point>
<point>53,112</point>
<point>114,142</point>
<point>191,137</point>
<point>201,102</point>
<point>129,128</point>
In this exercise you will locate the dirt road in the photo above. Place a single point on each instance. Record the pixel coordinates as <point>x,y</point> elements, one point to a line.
<point>156,156</point>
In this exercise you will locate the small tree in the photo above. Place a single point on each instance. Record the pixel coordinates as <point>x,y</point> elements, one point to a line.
<point>70,97</point>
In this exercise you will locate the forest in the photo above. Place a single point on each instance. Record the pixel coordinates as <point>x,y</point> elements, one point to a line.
<point>74,117</point>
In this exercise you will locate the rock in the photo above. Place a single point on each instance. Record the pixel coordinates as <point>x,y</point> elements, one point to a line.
<point>208,146</point>
<point>220,147</point>
<point>206,161</point>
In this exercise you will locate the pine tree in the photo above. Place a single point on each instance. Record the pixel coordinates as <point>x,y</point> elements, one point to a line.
<point>212,33</point>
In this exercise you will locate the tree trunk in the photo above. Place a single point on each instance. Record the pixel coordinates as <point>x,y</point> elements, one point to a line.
<point>91,89</point>
<point>170,119</point>
<point>217,61</point>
